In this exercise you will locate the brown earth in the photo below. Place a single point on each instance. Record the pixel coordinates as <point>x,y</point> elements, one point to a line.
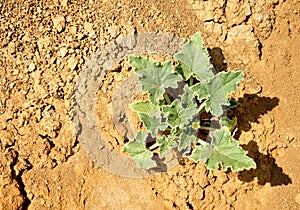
<point>44,46</point>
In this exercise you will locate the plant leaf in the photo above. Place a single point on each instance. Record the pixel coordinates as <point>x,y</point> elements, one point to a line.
<point>171,112</point>
<point>177,116</point>
<point>200,91</point>
<point>154,77</point>
<point>165,143</point>
<point>144,107</point>
<point>231,124</point>
<point>188,106</point>
<point>188,98</point>
<point>219,87</point>
<point>184,71</point>
<point>223,151</point>
<point>186,138</point>
<point>155,95</point>
<point>153,123</point>
<point>195,56</point>
<point>137,150</point>
<point>180,112</point>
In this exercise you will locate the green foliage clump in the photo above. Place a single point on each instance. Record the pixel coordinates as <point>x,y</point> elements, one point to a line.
<point>174,122</point>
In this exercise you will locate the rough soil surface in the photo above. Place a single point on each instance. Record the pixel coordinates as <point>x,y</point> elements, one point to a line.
<point>43,47</point>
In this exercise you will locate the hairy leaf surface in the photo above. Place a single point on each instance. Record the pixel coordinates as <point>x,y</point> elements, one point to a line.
<point>184,71</point>
<point>223,151</point>
<point>144,107</point>
<point>153,123</point>
<point>171,112</point>
<point>154,77</point>
<point>195,56</point>
<point>186,138</point>
<point>218,89</point>
<point>137,150</point>
<point>166,143</point>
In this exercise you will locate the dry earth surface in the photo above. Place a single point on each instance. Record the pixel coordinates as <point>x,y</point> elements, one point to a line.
<point>45,44</point>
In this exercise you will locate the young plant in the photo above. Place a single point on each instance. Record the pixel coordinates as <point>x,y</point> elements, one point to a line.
<point>175,121</point>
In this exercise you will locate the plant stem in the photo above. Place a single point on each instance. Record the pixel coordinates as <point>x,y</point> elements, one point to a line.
<point>191,81</point>
<point>204,143</point>
<point>153,146</point>
<point>167,98</point>
<point>207,128</point>
<point>201,107</point>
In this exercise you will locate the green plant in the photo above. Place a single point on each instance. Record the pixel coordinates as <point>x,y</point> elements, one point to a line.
<point>175,123</point>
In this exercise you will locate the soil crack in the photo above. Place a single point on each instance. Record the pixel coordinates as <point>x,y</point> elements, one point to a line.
<point>18,177</point>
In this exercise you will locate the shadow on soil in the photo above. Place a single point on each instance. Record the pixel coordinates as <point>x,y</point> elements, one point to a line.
<point>251,107</point>
<point>267,170</point>
<point>217,59</point>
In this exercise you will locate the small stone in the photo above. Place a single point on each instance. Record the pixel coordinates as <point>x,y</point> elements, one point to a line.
<point>102,42</point>
<point>64,3</point>
<point>73,30</point>
<point>38,10</point>
<point>80,36</point>
<point>72,63</point>
<point>11,48</point>
<point>31,67</point>
<point>30,195</point>
<point>113,31</point>
<point>59,23</point>
<point>88,27</point>
<point>63,52</point>
<point>297,198</point>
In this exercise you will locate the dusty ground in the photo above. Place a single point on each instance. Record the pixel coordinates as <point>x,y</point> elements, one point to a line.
<point>43,47</point>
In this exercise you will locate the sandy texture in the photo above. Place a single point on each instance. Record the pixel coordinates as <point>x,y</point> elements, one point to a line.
<point>43,48</point>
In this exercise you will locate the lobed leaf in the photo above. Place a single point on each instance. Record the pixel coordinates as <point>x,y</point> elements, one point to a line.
<point>194,58</point>
<point>171,112</point>
<point>153,123</point>
<point>186,138</point>
<point>184,71</point>
<point>223,151</point>
<point>136,148</point>
<point>177,115</point>
<point>154,77</point>
<point>200,91</point>
<point>219,87</point>
<point>144,107</point>
<point>188,98</point>
<point>165,144</point>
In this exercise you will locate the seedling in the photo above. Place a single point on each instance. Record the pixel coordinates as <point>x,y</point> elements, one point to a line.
<point>176,122</point>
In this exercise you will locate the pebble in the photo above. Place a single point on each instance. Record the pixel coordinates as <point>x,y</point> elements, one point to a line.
<point>63,52</point>
<point>297,198</point>
<point>72,63</point>
<point>102,42</point>
<point>59,23</point>
<point>88,27</point>
<point>80,36</point>
<point>64,3</point>
<point>31,67</point>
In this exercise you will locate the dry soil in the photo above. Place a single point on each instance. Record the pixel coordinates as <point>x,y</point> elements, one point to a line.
<point>44,46</point>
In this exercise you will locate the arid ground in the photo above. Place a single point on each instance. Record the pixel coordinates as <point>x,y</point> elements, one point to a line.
<point>43,48</point>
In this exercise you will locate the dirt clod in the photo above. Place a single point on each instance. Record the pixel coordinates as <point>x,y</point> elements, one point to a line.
<point>44,47</point>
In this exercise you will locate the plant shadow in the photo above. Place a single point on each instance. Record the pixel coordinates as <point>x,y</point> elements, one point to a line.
<point>251,107</point>
<point>267,170</point>
<point>217,59</point>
